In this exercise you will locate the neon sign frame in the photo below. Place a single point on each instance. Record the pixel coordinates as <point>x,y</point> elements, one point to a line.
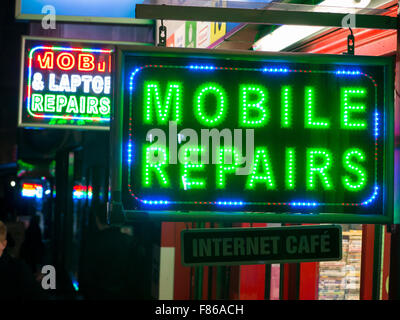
<point>158,208</point>
<point>56,45</point>
<point>241,203</point>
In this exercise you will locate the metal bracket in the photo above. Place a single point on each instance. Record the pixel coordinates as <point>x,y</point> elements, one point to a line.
<point>270,16</point>
<point>162,35</point>
<point>350,43</point>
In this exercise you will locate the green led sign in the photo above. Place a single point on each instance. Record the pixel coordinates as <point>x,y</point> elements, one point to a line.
<point>66,85</point>
<point>255,137</point>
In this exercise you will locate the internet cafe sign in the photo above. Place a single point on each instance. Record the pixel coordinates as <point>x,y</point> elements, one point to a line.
<point>238,246</point>
<point>248,137</point>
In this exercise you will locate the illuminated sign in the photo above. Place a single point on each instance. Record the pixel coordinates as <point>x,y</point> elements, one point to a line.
<point>32,190</point>
<point>257,137</point>
<point>95,11</point>
<point>82,192</point>
<point>238,246</point>
<point>66,86</point>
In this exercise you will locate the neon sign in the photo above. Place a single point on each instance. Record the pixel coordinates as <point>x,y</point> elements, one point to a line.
<point>82,192</point>
<point>32,190</point>
<point>268,138</point>
<point>66,86</point>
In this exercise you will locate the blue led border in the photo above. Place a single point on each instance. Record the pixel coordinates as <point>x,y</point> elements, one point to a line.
<point>237,202</point>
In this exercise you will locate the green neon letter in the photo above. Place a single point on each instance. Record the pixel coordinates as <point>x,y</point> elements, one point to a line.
<point>72,105</point>
<point>310,120</point>
<point>152,164</point>
<point>37,102</point>
<point>347,109</point>
<point>266,175</point>
<point>61,102</point>
<point>253,105</point>
<point>105,106</point>
<point>354,168</point>
<point>188,166</point>
<point>152,96</point>
<point>290,181</point>
<point>82,104</point>
<point>286,107</point>
<point>92,103</point>
<point>319,161</point>
<point>223,167</point>
<point>199,104</point>
<point>49,102</point>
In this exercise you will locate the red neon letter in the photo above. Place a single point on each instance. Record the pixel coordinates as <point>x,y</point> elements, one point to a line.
<point>101,66</point>
<point>65,61</point>
<point>85,62</point>
<point>47,62</point>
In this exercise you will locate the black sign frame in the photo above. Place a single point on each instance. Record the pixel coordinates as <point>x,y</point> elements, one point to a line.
<point>119,192</point>
<point>30,44</point>
<point>273,239</point>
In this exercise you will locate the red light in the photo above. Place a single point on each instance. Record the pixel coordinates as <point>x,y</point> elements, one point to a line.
<point>47,62</point>
<point>101,66</point>
<point>86,62</point>
<point>65,61</point>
